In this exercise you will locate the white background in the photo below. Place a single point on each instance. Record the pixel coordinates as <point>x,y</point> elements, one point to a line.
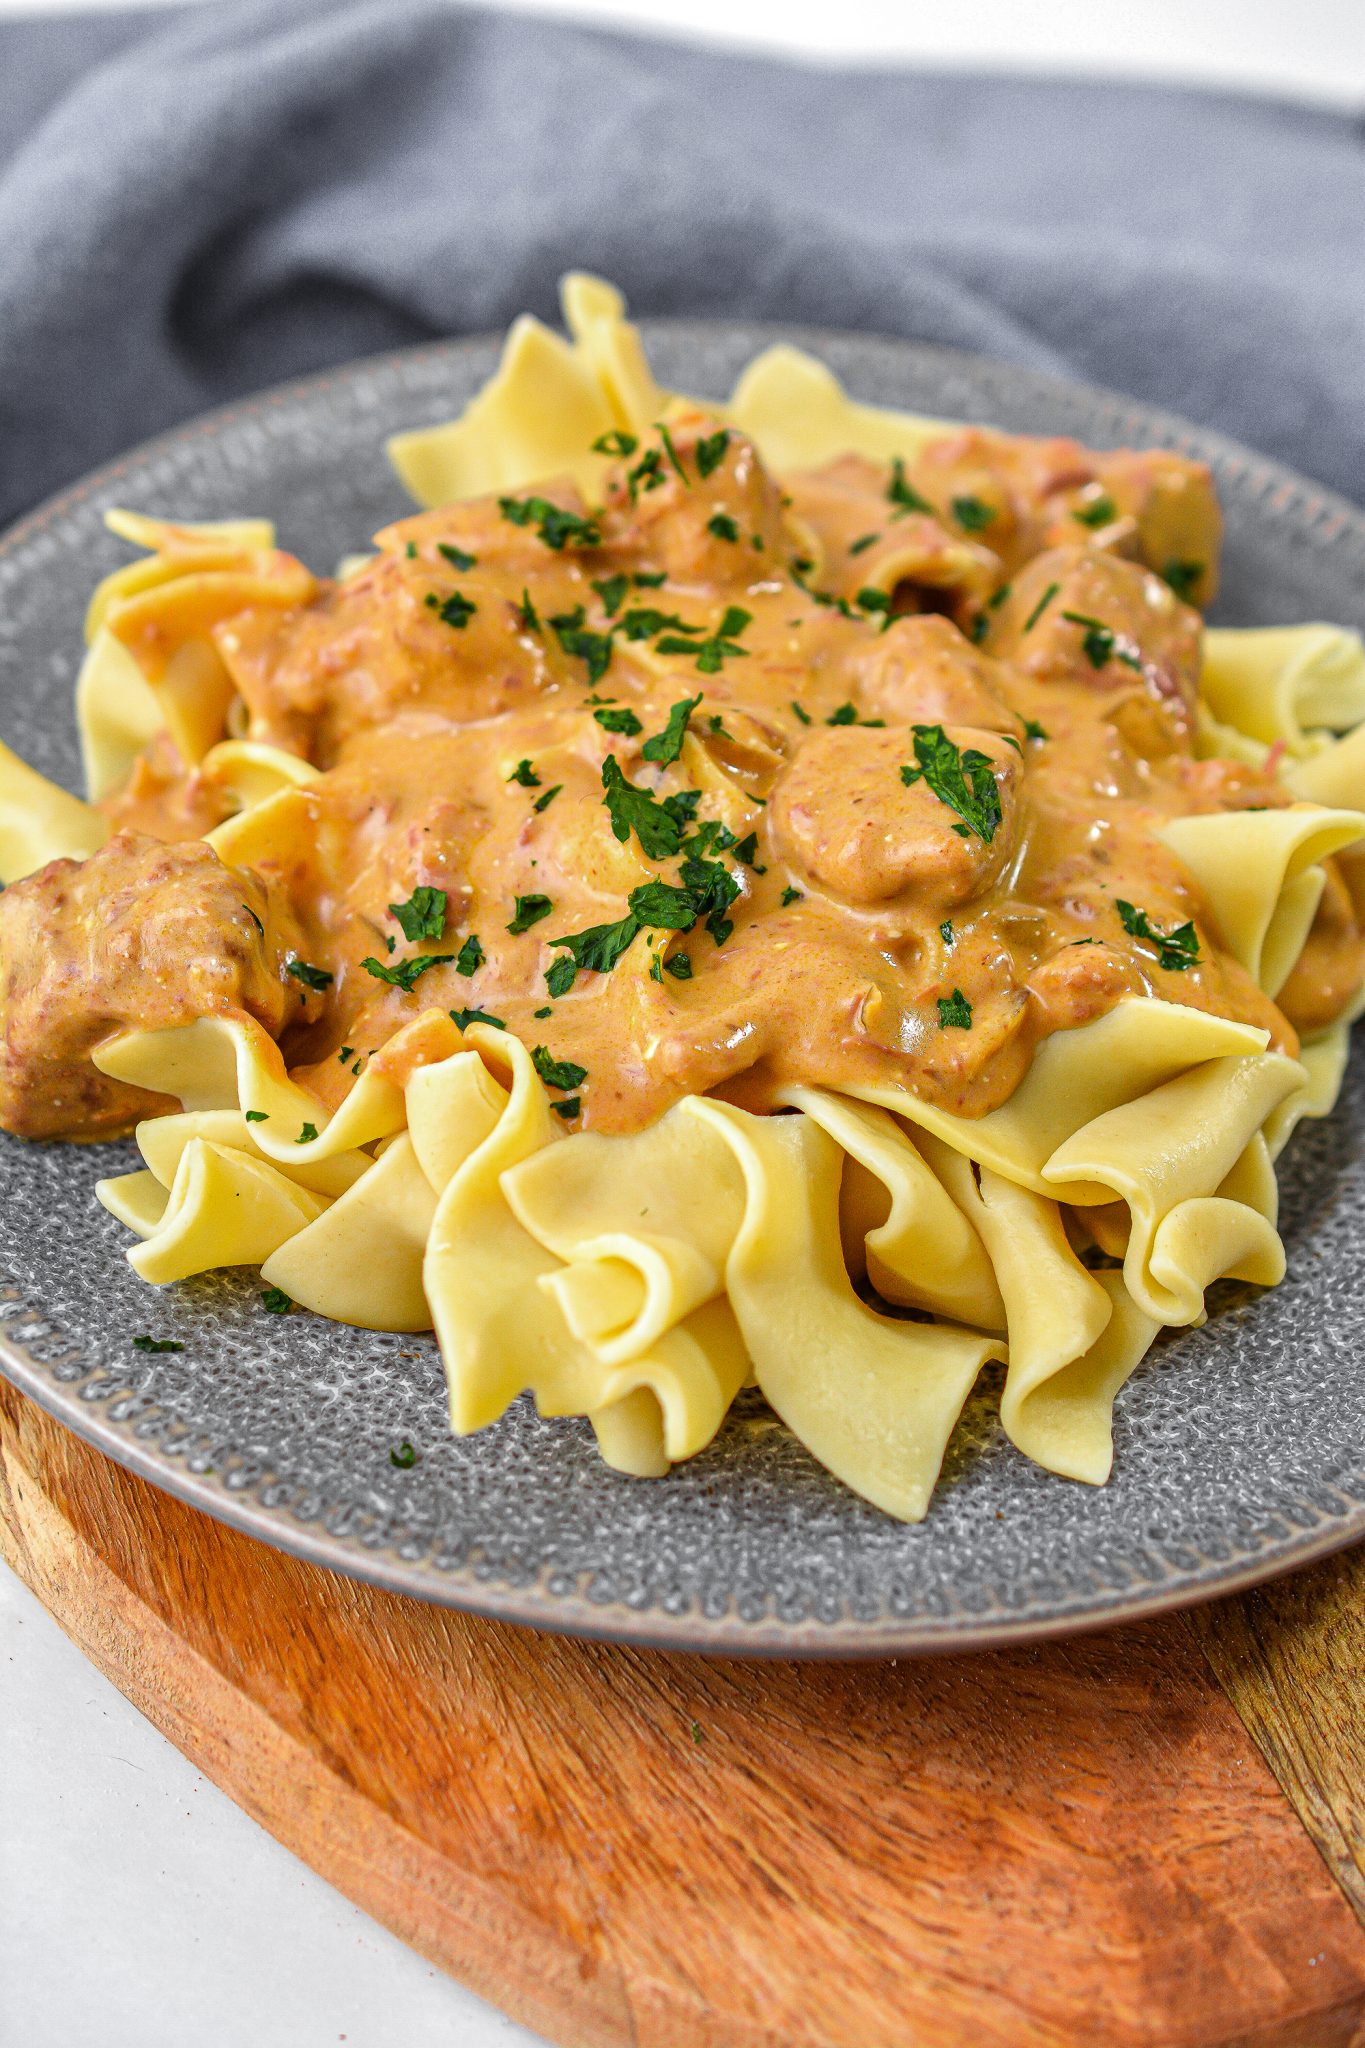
<point>138,1907</point>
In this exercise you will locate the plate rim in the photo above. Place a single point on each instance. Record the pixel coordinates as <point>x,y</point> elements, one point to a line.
<point>572,1613</point>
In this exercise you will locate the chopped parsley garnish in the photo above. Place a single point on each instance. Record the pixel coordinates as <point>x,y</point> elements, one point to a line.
<point>455,556</point>
<point>671,452</point>
<point>527,615</point>
<point>647,474</point>
<point>847,714</point>
<point>723,644</point>
<point>961,781</point>
<point>1100,511</point>
<point>1175,950</point>
<point>994,602</point>
<point>456,610</point>
<point>1011,741</point>
<point>1183,578</point>
<point>945,932</point>
<point>746,849</point>
<point>547,1011</point>
<point>254,919</point>
<point>403,1456</point>
<point>903,494</point>
<point>666,746</point>
<point>345,1053</point>
<point>156,1344</point>
<point>973,515</point>
<point>470,957</point>
<point>1041,606</point>
<point>1033,731</point>
<point>556,527</point>
<point>529,910</point>
<point>954,1012</point>
<point>615,442</point>
<point>870,599</point>
<point>801,712</point>
<point>594,951</point>
<point>542,803</point>
<point>612,591</point>
<point>257,1116</point>
<point>679,966</point>
<point>525,774</point>
<point>411,551</point>
<point>311,977</point>
<point>462,1019</point>
<point>723,526</point>
<point>423,916</point>
<point>593,648</point>
<point>307,1135</point>
<point>790,895</point>
<point>716,724</point>
<point>863,543</point>
<point>981,626</point>
<point>707,890</point>
<point>711,451</point>
<point>561,1074</point>
<point>276,1302</point>
<point>664,905</point>
<point>643,621</point>
<point>1097,641</point>
<point>570,1106</point>
<point>649,579</point>
<point>659,827</point>
<point>621,720</point>
<point>407,973</point>
<point>713,889</point>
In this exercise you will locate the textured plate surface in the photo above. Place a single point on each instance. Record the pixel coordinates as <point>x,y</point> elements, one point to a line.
<point>1240,1447</point>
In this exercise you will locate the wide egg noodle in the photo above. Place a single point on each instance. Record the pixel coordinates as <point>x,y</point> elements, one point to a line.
<point>1280,683</point>
<point>1258,871</point>
<point>40,822</point>
<point>797,413</point>
<point>223,1208</point>
<point>1335,776</point>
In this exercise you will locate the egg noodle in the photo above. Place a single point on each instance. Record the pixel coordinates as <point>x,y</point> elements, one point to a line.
<point>781,893</point>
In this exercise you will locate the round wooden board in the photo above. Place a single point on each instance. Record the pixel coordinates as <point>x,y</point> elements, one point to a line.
<point>1078,1844</point>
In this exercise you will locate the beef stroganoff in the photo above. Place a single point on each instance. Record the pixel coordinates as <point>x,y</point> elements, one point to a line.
<point>784,893</point>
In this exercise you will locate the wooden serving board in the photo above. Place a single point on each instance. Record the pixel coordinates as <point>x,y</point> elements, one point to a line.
<point>1155,1836</point>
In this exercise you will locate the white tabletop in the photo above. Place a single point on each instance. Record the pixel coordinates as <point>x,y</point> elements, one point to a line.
<point>138,1907</point>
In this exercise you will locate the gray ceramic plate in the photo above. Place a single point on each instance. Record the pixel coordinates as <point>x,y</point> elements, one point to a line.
<point>1240,1447</point>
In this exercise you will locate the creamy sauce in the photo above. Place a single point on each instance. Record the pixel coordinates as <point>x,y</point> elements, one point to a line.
<point>877,935</point>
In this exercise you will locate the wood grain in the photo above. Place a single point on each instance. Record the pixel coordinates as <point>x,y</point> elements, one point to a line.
<point>1073,1845</point>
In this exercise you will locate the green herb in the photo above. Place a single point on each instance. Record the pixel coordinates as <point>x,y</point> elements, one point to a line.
<point>561,1074</point>
<point>258,1116</point>
<point>470,957</point>
<point>663,905</point>
<point>462,1019</point>
<point>455,556</point>
<point>658,826</point>
<point>1033,731</point>
<point>594,951</point>
<point>844,714</point>
<point>711,451</point>
<point>408,972</point>
<point>961,781</point>
<point>1175,950</point>
<point>713,889</point>
<point>716,724</point>
<point>542,803</point>
<point>973,515</point>
<point>671,452</point>
<point>620,720</point>
<point>903,494</point>
<point>945,932</point>
<point>643,621</point>
<point>1099,512</point>
<point>1183,578</point>
<point>801,712</point>
<point>569,1107</point>
<point>870,599</point>
<point>547,1011</point>
<point>276,1301</point>
<point>527,614</point>
<point>307,1135</point>
<point>666,746</point>
<point>746,849</point>
<point>156,1344</point>
<point>525,775</point>
<point>679,966</point>
<point>1041,606</point>
<point>593,648</point>
<point>954,1012</point>
<point>529,910</point>
<point>981,626</point>
<point>456,610</point>
<point>649,579</point>
<point>698,1734</point>
<point>994,602</point>
<point>311,977</point>
<point>1097,641</point>
<point>556,527</point>
<point>345,1053</point>
<point>723,526</point>
<point>723,644</point>
<point>790,895</point>
<point>411,551</point>
<point>423,916</point>
<point>1011,741</point>
<point>405,1457</point>
<point>254,919</point>
<point>615,442</point>
<point>863,543</point>
<point>612,591</point>
<point>647,474</point>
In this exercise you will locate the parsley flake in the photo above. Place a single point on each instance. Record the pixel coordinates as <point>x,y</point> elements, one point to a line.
<point>973,515</point>
<point>156,1344</point>
<point>621,720</point>
<point>525,775</point>
<point>542,803</point>
<point>903,494</point>
<point>954,1012</point>
<point>557,528</point>
<point>593,648</point>
<point>711,451</point>
<point>254,919</point>
<point>615,442</point>
<point>529,910</point>
<point>569,1107</point>
<point>801,712</point>
<point>594,951</point>
<point>1041,606</point>
<point>722,645</point>
<point>666,746</point>
<point>470,957</point>
<point>679,966</point>
<point>1101,511</point>
<point>612,591</point>
<point>462,1019</point>
<point>723,526</point>
<point>307,1135</point>
<point>257,1116</point>
<point>658,826</point>
<point>1175,950</point>
<point>1034,731</point>
<point>863,543</point>
<point>457,557</point>
<point>945,932</point>
<point>423,916</point>
<point>276,1302</point>
<point>790,895</point>
<point>561,1074</point>
<point>408,972</point>
<point>528,618</point>
<point>963,782</point>
<point>456,610</point>
<point>403,1456</point>
<point>1183,578</point>
<point>311,977</point>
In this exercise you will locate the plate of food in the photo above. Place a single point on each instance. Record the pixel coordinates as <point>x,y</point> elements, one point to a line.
<point>667,984</point>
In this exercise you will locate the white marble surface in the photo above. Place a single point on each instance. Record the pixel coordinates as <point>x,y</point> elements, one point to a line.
<point>138,1907</point>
